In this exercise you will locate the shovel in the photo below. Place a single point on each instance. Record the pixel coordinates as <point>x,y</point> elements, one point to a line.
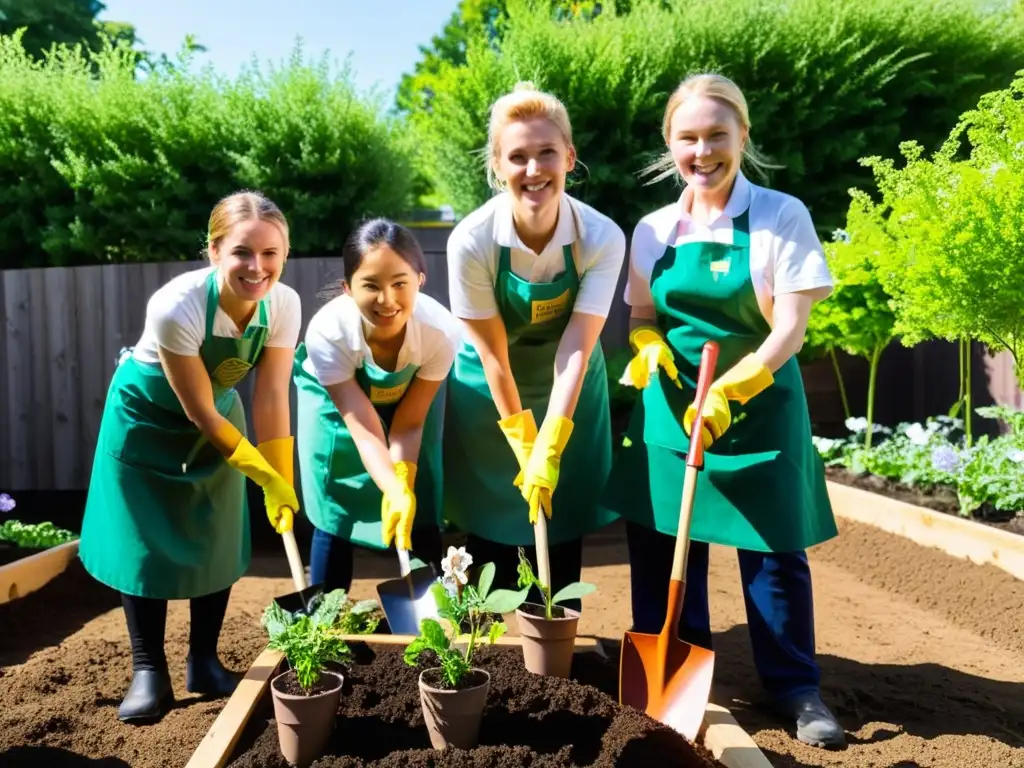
<point>407,601</point>
<point>660,674</point>
<point>304,600</point>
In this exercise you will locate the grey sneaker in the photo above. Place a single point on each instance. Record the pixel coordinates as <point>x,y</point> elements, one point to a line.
<point>815,725</point>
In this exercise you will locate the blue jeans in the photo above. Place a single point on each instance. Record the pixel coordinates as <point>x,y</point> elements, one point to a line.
<point>776,592</point>
<point>331,557</point>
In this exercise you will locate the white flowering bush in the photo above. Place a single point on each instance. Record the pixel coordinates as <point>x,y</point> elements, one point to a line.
<point>988,472</point>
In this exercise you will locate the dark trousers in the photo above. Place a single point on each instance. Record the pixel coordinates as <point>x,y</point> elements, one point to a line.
<point>147,621</point>
<point>776,592</point>
<point>331,557</point>
<point>566,560</point>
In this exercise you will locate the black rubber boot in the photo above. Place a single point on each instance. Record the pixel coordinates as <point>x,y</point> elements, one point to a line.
<point>150,695</point>
<point>204,672</point>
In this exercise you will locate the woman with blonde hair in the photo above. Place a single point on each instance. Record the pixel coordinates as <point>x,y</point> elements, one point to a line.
<point>741,265</point>
<point>532,275</point>
<point>166,516</point>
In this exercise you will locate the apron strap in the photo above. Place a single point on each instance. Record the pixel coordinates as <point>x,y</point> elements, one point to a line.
<point>213,301</point>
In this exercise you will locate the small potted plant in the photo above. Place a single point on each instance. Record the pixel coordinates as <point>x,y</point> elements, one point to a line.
<point>306,696</point>
<point>454,694</point>
<point>548,630</point>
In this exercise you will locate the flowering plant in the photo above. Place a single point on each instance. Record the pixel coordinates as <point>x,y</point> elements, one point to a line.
<point>460,604</point>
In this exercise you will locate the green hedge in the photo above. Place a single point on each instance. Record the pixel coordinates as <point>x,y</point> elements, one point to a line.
<point>828,81</point>
<point>112,167</point>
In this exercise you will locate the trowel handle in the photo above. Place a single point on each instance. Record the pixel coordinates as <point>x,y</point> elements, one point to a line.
<point>291,549</point>
<point>705,375</point>
<point>403,562</point>
<point>540,540</point>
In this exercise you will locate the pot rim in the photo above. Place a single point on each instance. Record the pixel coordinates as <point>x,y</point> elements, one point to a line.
<point>570,614</point>
<point>446,692</point>
<point>300,696</point>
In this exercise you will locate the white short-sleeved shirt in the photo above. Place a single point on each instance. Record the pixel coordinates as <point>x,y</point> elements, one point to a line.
<point>473,253</point>
<point>336,341</point>
<point>785,253</point>
<point>176,317</point>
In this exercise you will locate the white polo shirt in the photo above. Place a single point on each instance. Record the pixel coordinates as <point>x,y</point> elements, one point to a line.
<point>176,317</point>
<point>785,253</point>
<point>473,256</point>
<point>336,341</point>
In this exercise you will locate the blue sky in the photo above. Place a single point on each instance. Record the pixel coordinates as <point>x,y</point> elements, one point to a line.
<point>379,38</point>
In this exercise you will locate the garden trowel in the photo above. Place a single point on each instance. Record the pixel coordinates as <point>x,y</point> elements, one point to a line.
<point>660,674</point>
<point>306,598</point>
<point>407,601</point>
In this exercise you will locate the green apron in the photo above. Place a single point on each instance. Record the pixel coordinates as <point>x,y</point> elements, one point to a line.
<point>763,484</point>
<point>338,494</point>
<point>166,516</point>
<point>480,466</point>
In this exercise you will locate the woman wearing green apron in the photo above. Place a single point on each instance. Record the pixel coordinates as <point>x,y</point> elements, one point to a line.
<point>532,274</point>
<point>741,265</point>
<point>166,516</point>
<point>369,408</point>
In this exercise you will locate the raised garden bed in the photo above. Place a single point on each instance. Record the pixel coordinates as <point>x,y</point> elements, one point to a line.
<point>529,719</point>
<point>23,570</point>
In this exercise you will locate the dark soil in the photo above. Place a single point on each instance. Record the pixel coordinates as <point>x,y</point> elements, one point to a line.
<point>10,552</point>
<point>939,499</point>
<point>289,684</point>
<point>530,721</point>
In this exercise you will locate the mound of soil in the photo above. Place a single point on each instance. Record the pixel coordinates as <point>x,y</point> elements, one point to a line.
<point>530,720</point>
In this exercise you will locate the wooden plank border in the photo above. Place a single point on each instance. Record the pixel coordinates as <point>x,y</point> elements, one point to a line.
<point>956,536</point>
<point>722,735</point>
<point>25,576</point>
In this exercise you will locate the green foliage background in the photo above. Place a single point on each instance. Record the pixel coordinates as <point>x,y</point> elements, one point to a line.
<point>827,81</point>
<point>98,165</point>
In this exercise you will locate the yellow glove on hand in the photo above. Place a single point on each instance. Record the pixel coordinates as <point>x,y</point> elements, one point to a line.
<point>521,431</point>
<point>651,351</point>
<point>280,455</point>
<point>278,494</point>
<point>541,474</point>
<point>740,383</point>
<point>398,509</point>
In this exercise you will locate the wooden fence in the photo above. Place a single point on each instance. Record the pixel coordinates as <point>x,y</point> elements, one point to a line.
<point>63,328</point>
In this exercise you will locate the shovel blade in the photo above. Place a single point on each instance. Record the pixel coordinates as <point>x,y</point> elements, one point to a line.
<point>407,601</point>
<point>670,681</point>
<point>303,602</point>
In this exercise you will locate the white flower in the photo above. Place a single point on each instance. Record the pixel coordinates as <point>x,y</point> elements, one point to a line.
<point>1016,456</point>
<point>455,564</point>
<point>824,444</point>
<point>840,236</point>
<point>856,424</point>
<point>6,503</point>
<point>917,434</point>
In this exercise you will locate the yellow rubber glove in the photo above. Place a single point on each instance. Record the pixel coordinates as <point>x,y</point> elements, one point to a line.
<point>521,431</point>
<point>651,351</point>
<point>280,455</point>
<point>398,510</point>
<point>278,494</point>
<point>740,383</point>
<point>541,474</point>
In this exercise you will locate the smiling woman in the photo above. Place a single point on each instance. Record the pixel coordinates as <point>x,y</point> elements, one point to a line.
<point>369,379</point>
<point>532,274</point>
<point>166,516</point>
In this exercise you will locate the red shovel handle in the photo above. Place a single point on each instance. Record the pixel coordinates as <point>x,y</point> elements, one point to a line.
<point>706,373</point>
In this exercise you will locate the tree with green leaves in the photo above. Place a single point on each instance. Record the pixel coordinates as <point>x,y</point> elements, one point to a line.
<point>67,22</point>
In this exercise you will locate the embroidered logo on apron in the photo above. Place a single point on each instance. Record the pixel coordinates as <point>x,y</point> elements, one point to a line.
<point>387,395</point>
<point>549,309</point>
<point>720,267</point>
<point>231,371</point>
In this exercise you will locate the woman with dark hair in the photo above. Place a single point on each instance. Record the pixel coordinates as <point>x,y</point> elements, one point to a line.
<point>369,425</point>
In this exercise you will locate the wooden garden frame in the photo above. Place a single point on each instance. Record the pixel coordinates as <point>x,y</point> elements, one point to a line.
<point>956,536</point>
<point>25,576</point>
<point>720,733</point>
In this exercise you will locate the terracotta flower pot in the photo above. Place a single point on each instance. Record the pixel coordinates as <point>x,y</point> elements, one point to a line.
<point>453,716</point>
<point>548,644</point>
<point>304,723</point>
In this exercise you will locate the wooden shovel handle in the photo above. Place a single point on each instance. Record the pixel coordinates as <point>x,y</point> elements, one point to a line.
<point>540,540</point>
<point>291,549</point>
<point>705,375</point>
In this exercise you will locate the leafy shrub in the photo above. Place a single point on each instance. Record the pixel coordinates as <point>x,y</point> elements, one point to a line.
<point>827,81</point>
<point>99,166</point>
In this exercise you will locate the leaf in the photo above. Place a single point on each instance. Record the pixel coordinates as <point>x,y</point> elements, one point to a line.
<point>364,606</point>
<point>498,629</point>
<point>433,634</point>
<point>327,612</point>
<point>275,620</point>
<point>485,580</point>
<point>505,600</point>
<point>573,591</point>
<point>443,600</point>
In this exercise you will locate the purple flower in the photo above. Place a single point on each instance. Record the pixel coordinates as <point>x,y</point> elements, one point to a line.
<point>6,503</point>
<point>945,459</point>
